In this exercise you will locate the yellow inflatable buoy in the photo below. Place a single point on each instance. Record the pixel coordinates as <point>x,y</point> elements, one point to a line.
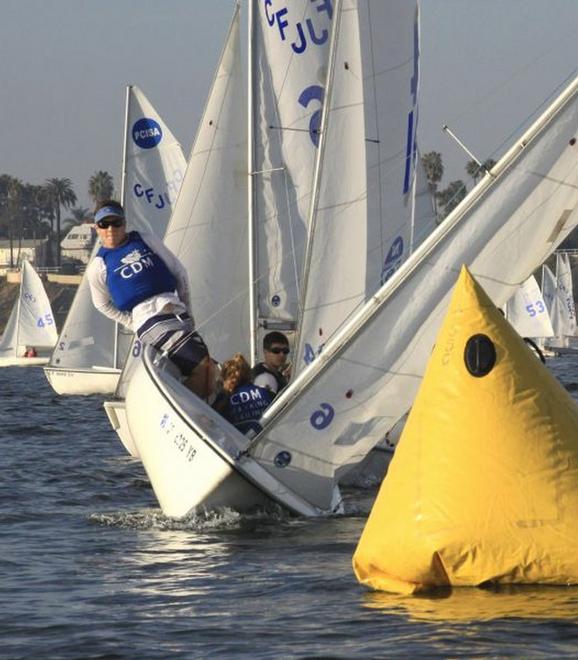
<point>483,487</point>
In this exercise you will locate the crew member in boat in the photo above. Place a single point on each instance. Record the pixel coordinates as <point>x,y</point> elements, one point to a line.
<point>240,401</point>
<point>135,280</point>
<point>273,373</point>
<point>30,352</point>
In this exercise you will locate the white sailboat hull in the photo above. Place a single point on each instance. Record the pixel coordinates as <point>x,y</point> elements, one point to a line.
<point>116,413</point>
<point>82,381</point>
<point>22,361</point>
<point>193,456</point>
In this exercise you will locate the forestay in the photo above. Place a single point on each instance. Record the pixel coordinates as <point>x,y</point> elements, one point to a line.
<point>288,62</point>
<point>368,374</point>
<point>153,171</point>
<point>527,312</point>
<point>31,321</point>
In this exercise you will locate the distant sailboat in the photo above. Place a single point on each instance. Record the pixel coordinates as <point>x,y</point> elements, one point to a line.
<point>91,349</point>
<point>559,296</point>
<point>31,324</point>
<point>527,312</point>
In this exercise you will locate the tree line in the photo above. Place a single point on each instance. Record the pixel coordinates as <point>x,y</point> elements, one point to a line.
<point>29,211</point>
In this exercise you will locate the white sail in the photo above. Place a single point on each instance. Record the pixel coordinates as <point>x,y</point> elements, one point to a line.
<point>208,228</point>
<point>527,311</point>
<point>424,218</point>
<point>565,296</point>
<point>549,292</point>
<point>390,39</point>
<point>89,342</point>
<point>365,379</point>
<point>334,279</point>
<point>288,62</point>
<point>31,321</point>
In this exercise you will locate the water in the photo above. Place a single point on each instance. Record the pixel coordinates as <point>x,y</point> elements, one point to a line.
<point>91,569</point>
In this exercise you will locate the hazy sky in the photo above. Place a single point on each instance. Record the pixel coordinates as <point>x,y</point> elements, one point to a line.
<point>486,65</point>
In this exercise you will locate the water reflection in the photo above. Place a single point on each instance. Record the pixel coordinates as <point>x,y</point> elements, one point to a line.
<point>471,605</point>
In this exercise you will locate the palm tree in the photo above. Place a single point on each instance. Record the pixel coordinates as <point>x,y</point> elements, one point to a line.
<point>451,196</point>
<point>14,196</point>
<point>61,194</point>
<point>77,216</point>
<point>434,171</point>
<point>477,171</point>
<point>100,186</point>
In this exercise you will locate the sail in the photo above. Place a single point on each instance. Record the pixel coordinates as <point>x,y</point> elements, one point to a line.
<point>549,292</point>
<point>527,312</point>
<point>288,68</point>
<point>565,296</point>
<point>151,180</point>
<point>390,39</point>
<point>31,321</point>
<point>424,218</point>
<point>367,376</point>
<point>208,228</point>
<point>334,280</point>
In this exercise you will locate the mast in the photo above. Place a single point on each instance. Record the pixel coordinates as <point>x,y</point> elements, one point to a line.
<point>122,200</point>
<point>318,168</point>
<point>18,308</point>
<point>251,188</point>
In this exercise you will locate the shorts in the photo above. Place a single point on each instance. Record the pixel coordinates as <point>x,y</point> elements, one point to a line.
<point>174,336</point>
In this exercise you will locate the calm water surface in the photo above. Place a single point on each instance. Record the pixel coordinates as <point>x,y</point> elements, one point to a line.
<point>91,569</point>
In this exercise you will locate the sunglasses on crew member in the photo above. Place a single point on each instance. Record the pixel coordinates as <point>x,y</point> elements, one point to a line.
<point>278,350</point>
<point>105,223</point>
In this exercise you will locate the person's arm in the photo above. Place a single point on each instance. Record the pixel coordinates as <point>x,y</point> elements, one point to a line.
<point>96,274</point>
<point>174,265</point>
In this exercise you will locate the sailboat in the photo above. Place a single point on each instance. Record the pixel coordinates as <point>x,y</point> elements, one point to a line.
<point>208,228</point>
<point>91,348</point>
<point>561,307</point>
<point>527,312</point>
<point>31,324</point>
<point>363,378</point>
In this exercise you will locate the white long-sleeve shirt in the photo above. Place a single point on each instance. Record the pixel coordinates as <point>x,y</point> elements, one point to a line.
<point>169,302</point>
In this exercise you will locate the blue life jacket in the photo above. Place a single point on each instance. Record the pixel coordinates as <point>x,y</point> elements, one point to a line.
<point>135,273</point>
<point>246,406</point>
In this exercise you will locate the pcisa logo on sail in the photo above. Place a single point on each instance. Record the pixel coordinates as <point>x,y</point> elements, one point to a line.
<point>146,133</point>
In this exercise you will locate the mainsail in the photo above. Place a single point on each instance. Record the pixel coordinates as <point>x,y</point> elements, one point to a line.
<point>333,284</point>
<point>565,310</point>
<point>366,378</point>
<point>152,175</point>
<point>208,228</point>
<point>288,74</point>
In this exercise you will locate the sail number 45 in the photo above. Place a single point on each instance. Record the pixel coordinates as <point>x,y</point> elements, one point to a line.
<point>44,321</point>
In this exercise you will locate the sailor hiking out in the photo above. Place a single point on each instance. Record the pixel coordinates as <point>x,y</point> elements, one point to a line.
<point>136,281</point>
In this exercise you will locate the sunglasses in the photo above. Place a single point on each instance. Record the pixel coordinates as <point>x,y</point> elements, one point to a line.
<point>278,350</point>
<point>105,224</point>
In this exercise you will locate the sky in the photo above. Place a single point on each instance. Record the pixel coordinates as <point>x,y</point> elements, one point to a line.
<point>486,67</point>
